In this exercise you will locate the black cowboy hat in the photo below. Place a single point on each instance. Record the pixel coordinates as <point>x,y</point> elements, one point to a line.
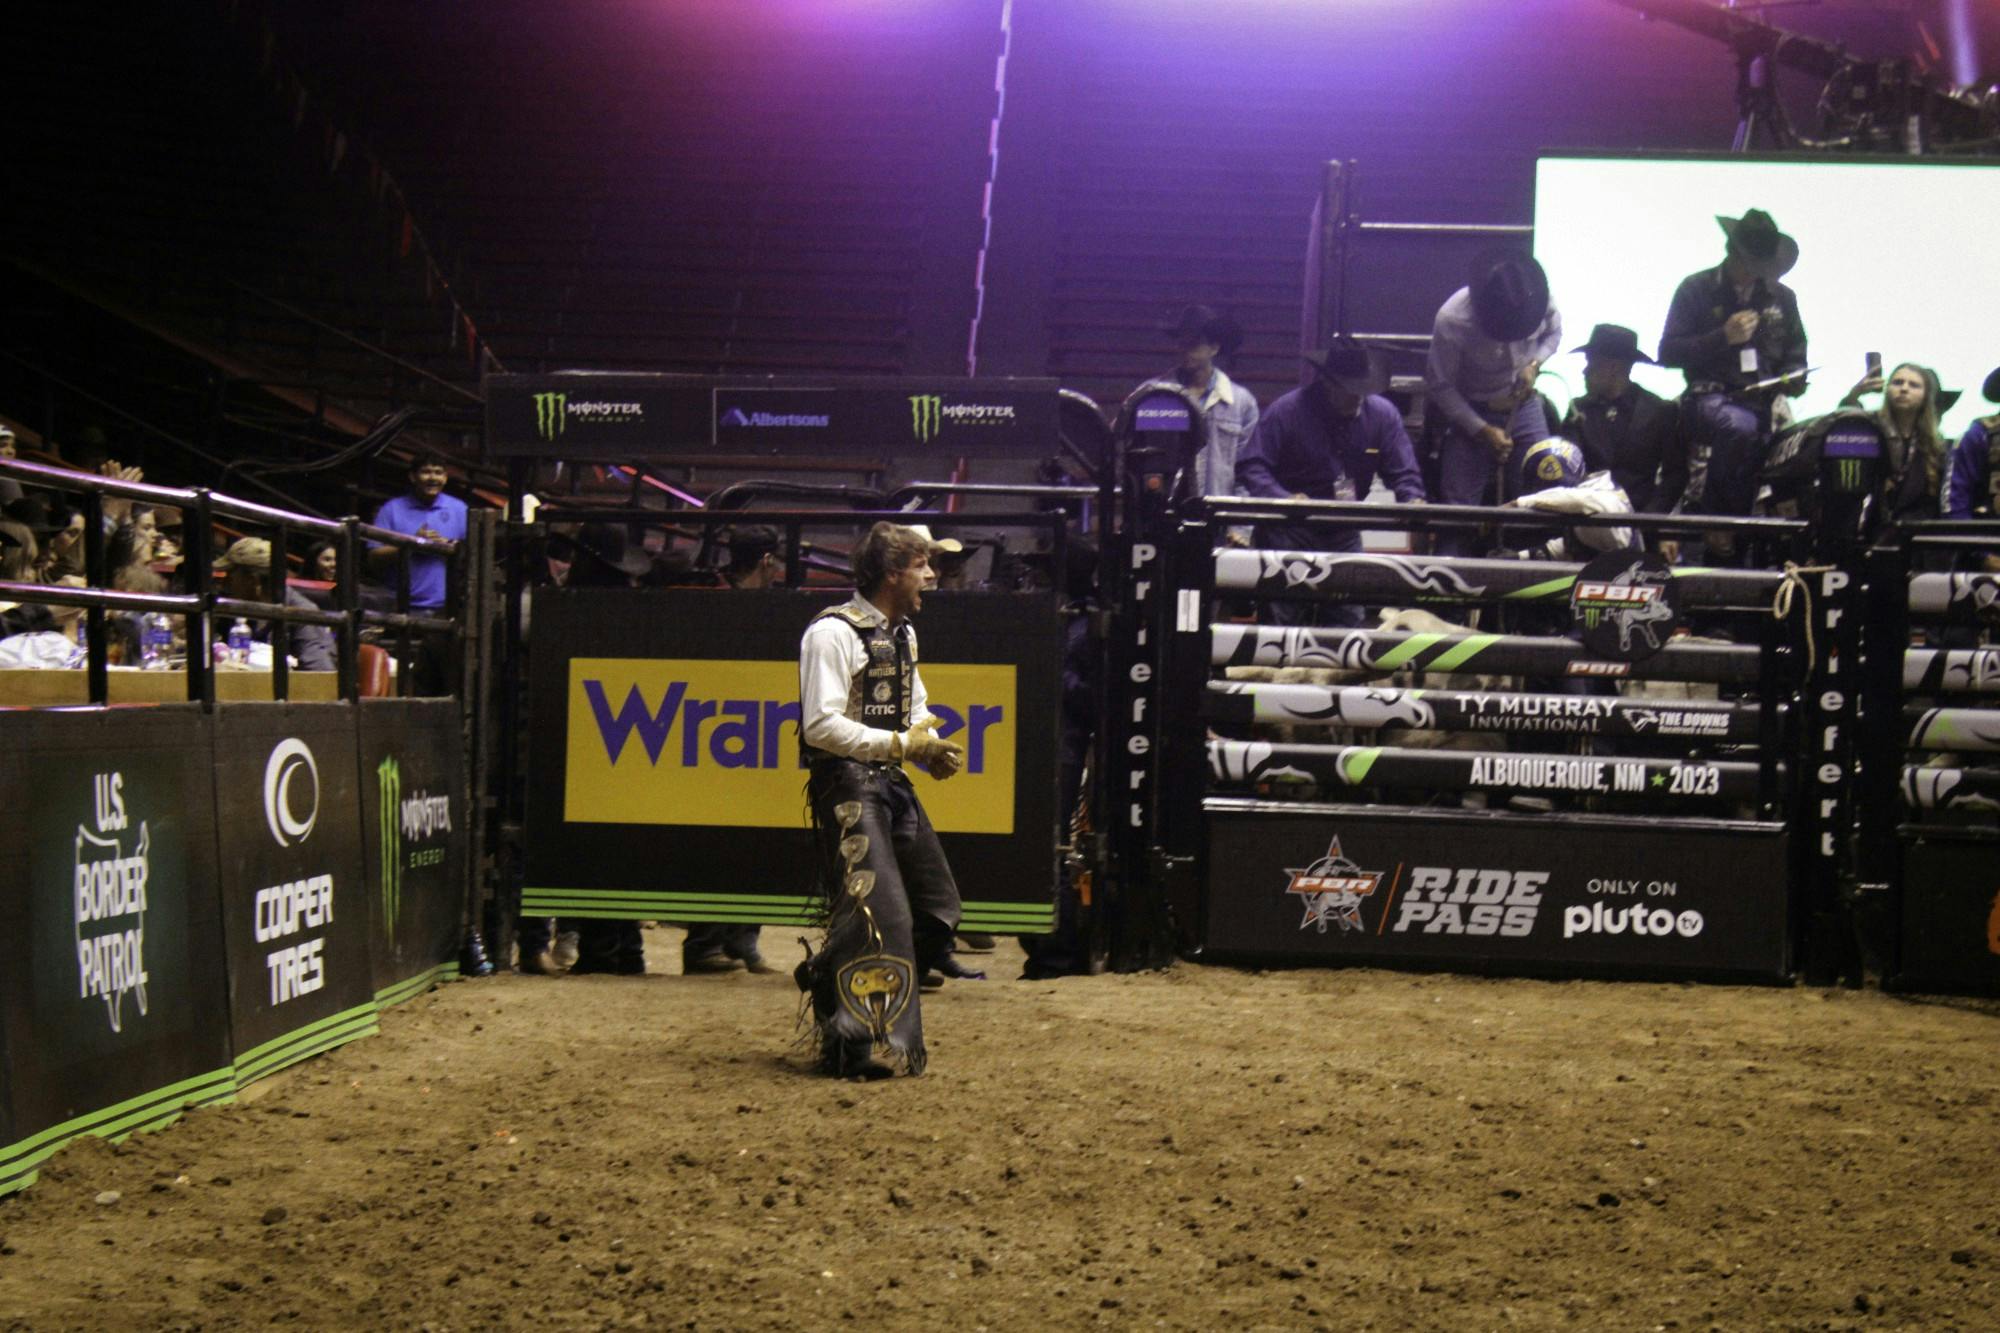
<point>1510,295</point>
<point>1209,325</point>
<point>1756,240</point>
<point>1991,389</point>
<point>1614,342</point>
<point>1353,365</point>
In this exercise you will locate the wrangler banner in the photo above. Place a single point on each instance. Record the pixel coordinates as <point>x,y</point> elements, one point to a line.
<point>113,993</point>
<point>670,785</point>
<point>1571,896</point>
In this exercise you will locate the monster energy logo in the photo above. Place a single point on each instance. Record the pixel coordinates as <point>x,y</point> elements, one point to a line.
<point>1591,615</point>
<point>391,774</point>
<point>551,414</point>
<point>926,416</point>
<point>1849,474</point>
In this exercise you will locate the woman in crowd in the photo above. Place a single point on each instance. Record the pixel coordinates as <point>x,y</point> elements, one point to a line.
<point>1918,454</point>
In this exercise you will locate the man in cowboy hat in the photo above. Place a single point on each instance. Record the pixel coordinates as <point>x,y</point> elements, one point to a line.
<point>1329,440</point>
<point>1488,343</point>
<point>1731,328</point>
<point>1634,435</point>
<point>890,899</point>
<point>1203,335</point>
<point>1972,487</point>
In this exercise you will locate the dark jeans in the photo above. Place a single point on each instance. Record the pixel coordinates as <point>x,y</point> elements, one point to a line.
<point>1469,474</point>
<point>1726,451</point>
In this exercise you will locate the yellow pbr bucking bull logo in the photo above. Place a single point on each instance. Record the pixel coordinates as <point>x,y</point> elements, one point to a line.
<point>655,741</point>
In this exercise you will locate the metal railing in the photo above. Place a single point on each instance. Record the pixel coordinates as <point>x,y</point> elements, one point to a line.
<point>201,609</point>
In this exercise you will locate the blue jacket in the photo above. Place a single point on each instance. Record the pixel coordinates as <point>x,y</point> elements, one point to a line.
<point>1968,486</point>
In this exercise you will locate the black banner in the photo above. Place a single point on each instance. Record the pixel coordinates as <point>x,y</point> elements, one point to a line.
<point>114,1015</point>
<point>583,415</point>
<point>1951,914</point>
<point>415,835</point>
<point>1413,580</point>
<point>1952,670</point>
<point>1448,710</point>
<point>295,908</point>
<point>1307,771</point>
<point>1570,895</point>
<point>1385,651</point>
<point>665,779</point>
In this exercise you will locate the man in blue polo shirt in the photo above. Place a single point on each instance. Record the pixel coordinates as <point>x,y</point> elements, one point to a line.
<point>424,511</point>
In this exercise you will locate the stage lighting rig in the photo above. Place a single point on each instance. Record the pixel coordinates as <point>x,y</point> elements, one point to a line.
<point>1879,106</point>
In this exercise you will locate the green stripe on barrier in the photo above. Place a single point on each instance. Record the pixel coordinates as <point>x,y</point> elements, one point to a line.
<point>751,909</point>
<point>1407,649</point>
<point>1460,652</point>
<point>21,1162</point>
<point>411,987</point>
<point>1549,588</point>
<point>271,1056</point>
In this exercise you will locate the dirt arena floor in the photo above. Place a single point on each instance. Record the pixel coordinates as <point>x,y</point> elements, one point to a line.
<point>1204,1148</point>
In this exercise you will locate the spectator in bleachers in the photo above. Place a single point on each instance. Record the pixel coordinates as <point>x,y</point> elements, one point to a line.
<point>1972,486</point>
<point>10,489</point>
<point>1918,455</point>
<point>246,576</point>
<point>58,529</point>
<point>58,644</point>
<point>423,511</point>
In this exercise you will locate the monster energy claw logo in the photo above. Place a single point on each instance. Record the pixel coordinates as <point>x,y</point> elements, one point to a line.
<point>391,774</point>
<point>551,414</point>
<point>926,416</point>
<point>1849,474</point>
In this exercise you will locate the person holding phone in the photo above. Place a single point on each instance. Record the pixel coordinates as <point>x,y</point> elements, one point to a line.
<point>1918,455</point>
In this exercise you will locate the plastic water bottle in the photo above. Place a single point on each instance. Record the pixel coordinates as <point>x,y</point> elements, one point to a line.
<point>156,642</point>
<point>239,642</point>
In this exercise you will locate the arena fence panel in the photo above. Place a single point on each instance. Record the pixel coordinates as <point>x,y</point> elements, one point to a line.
<point>1323,804</point>
<point>1926,885</point>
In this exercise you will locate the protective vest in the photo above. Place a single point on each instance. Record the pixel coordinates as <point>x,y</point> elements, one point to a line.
<point>878,695</point>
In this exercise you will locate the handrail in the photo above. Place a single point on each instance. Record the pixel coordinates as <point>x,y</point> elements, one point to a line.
<point>1359,513</point>
<point>917,489</point>
<point>201,608</point>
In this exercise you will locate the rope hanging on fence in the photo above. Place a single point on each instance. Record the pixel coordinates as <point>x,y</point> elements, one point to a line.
<point>1781,601</point>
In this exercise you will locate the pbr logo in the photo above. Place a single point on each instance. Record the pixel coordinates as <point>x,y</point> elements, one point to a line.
<point>1625,605</point>
<point>1334,889</point>
<point>110,903</point>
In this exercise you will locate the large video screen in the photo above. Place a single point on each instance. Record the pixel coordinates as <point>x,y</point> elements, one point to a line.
<point>1896,257</point>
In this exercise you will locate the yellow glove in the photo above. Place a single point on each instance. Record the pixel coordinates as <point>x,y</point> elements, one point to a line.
<point>941,759</point>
